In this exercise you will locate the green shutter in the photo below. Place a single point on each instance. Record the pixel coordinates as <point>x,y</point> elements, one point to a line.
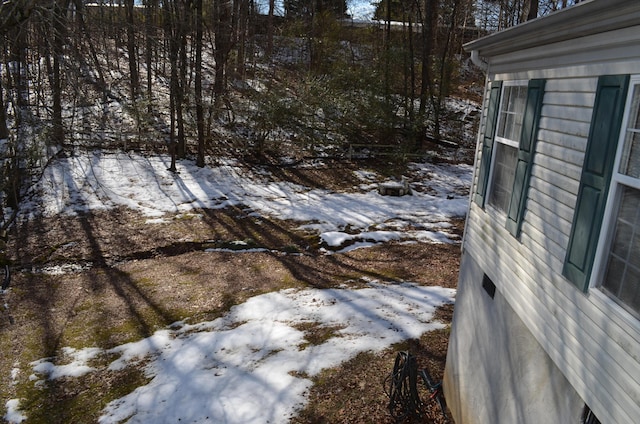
<point>596,177</point>
<point>487,141</point>
<point>528,136</point>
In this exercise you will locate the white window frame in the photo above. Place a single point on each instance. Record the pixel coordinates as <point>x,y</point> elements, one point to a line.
<point>497,139</point>
<point>618,181</point>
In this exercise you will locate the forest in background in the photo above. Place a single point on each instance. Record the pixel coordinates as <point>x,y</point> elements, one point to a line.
<point>211,78</point>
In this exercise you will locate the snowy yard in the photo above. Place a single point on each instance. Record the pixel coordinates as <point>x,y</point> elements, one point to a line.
<point>253,364</point>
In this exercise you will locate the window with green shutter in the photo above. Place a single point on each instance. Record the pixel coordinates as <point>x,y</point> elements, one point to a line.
<point>596,176</point>
<point>618,273</point>
<point>522,174</point>
<point>513,116</point>
<point>505,152</point>
<point>487,142</point>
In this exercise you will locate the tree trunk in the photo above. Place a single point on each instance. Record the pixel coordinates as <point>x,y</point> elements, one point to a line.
<point>444,81</point>
<point>428,38</point>
<point>170,37</point>
<point>150,13</point>
<point>59,28</point>
<point>102,85</point>
<point>222,47</point>
<point>272,6</point>
<point>198,85</point>
<point>4,130</point>
<point>410,78</point>
<point>243,12</point>
<point>533,9</point>
<point>181,86</point>
<point>131,48</point>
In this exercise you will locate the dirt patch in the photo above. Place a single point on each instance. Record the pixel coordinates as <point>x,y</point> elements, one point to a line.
<point>356,391</point>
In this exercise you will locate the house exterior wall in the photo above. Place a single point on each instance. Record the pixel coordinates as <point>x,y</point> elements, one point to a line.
<point>507,362</point>
<point>541,347</point>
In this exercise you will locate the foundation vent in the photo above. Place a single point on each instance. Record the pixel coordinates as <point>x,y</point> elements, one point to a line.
<point>488,286</point>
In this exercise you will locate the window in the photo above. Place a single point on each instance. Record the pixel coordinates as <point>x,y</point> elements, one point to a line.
<point>510,116</point>
<point>590,229</point>
<point>605,234</point>
<point>508,143</point>
<point>620,273</point>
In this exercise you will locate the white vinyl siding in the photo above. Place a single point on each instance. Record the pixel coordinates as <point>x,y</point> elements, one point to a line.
<point>589,337</point>
<point>579,332</point>
<point>574,337</point>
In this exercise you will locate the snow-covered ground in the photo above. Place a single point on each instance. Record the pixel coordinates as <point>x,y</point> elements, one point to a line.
<point>253,364</point>
<point>101,180</point>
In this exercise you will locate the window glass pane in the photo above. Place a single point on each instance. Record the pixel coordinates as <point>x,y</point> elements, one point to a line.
<point>511,112</point>
<point>634,256</point>
<point>629,205</point>
<point>622,239</point>
<point>625,223</point>
<point>630,290</point>
<point>521,97</point>
<point>622,277</point>
<point>506,125</point>
<point>630,163</point>
<point>514,134</point>
<point>634,113</point>
<point>503,172</point>
<point>615,274</point>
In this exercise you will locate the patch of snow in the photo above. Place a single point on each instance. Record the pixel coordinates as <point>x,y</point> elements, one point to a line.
<point>76,367</point>
<point>227,250</point>
<point>61,269</point>
<point>13,415</point>
<point>98,180</point>
<point>250,366</point>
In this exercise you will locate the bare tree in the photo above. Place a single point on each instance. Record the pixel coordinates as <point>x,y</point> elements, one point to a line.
<point>429,19</point>
<point>222,46</point>
<point>198,83</point>
<point>243,12</point>
<point>171,37</point>
<point>131,49</point>
<point>4,129</point>
<point>183,22</point>
<point>151,8</point>
<point>533,9</point>
<point>58,31</point>
<point>272,6</point>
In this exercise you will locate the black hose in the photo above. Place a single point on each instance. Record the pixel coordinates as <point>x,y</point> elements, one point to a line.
<point>402,389</point>
<point>3,248</point>
<point>7,277</point>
